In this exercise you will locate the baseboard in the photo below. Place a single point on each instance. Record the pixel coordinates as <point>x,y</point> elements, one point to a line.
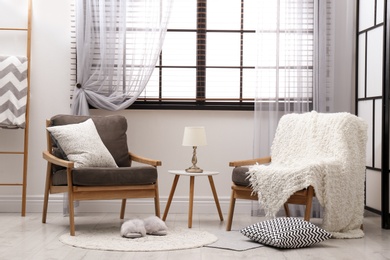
<point>179,205</point>
<point>372,210</point>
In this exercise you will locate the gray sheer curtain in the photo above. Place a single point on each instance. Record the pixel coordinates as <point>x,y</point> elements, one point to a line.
<point>294,68</point>
<point>118,44</point>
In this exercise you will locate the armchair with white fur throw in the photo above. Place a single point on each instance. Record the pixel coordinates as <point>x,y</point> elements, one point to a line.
<point>88,157</point>
<point>318,153</point>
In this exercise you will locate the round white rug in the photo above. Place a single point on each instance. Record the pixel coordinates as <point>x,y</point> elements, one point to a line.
<point>109,239</point>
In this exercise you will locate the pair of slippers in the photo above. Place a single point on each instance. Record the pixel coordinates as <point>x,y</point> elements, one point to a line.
<point>136,228</point>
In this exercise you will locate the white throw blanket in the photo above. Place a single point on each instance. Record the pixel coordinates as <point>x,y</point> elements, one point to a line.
<point>326,151</point>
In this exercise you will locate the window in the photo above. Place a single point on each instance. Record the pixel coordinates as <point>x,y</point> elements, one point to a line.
<point>210,52</point>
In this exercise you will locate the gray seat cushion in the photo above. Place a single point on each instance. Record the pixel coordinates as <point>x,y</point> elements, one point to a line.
<point>137,175</point>
<point>111,129</point>
<point>239,176</point>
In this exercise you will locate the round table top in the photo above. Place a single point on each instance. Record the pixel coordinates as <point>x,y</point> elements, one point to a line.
<point>183,172</point>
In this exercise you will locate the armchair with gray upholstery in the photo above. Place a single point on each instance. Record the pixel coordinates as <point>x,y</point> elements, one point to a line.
<point>95,167</point>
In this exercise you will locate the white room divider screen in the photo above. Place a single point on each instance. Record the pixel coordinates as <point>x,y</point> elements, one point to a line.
<point>372,99</point>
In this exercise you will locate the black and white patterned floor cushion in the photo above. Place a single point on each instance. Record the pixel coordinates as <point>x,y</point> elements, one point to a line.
<point>286,233</point>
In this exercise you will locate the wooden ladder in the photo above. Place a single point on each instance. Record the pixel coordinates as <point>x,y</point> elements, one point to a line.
<point>23,184</point>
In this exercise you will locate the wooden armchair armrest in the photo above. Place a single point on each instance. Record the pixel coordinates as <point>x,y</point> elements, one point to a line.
<point>250,161</point>
<point>140,159</point>
<point>57,161</point>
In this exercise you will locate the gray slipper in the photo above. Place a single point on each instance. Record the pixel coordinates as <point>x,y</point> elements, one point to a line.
<point>133,229</point>
<point>155,226</point>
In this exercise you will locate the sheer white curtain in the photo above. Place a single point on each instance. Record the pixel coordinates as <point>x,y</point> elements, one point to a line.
<point>118,43</point>
<point>324,55</point>
<point>285,62</point>
<point>295,63</point>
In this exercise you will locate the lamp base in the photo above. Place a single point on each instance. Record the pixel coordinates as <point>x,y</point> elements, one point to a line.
<point>194,169</point>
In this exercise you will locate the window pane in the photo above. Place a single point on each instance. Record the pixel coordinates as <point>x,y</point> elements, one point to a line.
<point>248,83</point>
<point>179,83</point>
<point>289,49</point>
<point>296,49</point>
<point>222,14</point>
<point>179,49</point>
<point>288,87</point>
<point>283,85</point>
<point>223,49</point>
<point>251,16</point>
<point>267,84</point>
<point>267,54</point>
<point>304,20</point>
<point>249,49</point>
<point>151,90</point>
<point>222,83</point>
<point>135,43</point>
<point>183,15</point>
<point>269,15</point>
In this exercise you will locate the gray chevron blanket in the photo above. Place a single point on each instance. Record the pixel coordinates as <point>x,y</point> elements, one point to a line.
<point>326,151</point>
<point>13,91</point>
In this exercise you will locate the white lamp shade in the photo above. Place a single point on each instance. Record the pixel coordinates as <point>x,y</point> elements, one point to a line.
<point>194,136</point>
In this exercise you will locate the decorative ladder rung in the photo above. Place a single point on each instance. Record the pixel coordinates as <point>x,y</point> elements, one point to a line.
<point>13,29</point>
<point>4,152</point>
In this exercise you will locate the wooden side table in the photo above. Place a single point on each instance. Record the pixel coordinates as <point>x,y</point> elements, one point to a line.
<point>179,173</point>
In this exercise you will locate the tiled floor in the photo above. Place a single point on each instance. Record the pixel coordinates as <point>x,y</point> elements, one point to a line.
<point>27,238</point>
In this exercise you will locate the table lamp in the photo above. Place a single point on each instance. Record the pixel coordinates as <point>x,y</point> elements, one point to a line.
<point>194,136</point>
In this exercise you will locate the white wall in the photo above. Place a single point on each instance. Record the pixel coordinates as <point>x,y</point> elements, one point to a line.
<point>155,134</point>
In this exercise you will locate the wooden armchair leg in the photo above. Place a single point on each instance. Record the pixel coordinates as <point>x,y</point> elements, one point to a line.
<point>71,215</point>
<point>45,205</point>
<point>231,211</point>
<point>157,206</point>
<point>123,209</point>
<point>309,202</point>
<point>157,202</point>
<point>286,209</point>
<point>307,213</point>
<point>46,196</point>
